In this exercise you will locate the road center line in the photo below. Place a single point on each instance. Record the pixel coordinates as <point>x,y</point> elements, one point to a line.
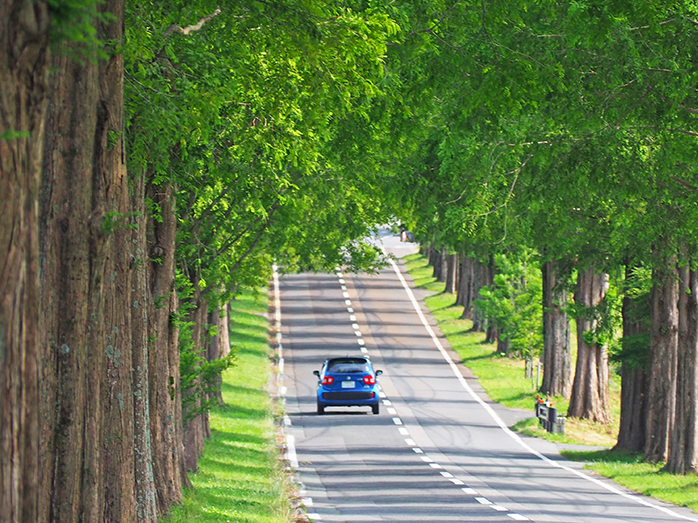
<point>501,423</point>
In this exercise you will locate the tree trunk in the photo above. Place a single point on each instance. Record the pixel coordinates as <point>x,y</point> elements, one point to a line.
<point>224,330</point>
<point>483,278</point>
<point>146,498</point>
<point>557,351</point>
<point>465,287</point>
<point>197,429</point>
<point>683,450</point>
<point>633,400</point>
<point>589,396</point>
<point>662,374</point>
<point>214,348</point>
<point>24,61</point>
<point>163,366</point>
<point>438,265</point>
<point>451,273</point>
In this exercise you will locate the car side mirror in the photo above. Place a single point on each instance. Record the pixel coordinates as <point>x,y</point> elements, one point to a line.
<point>317,373</point>
<point>379,372</point>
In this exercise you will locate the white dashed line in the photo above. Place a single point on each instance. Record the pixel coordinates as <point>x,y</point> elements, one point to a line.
<point>500,508</point>
<point>352,317</point>
<point>381,394</point>
<point>427,459</point>
<point>483,501</point>
<point>355,326</point>
<point>343,287</point>
<point>518,517</point>
<point>314,516</point>
<point>364,350</point>
<point>469,490</point>
<point>345,294</point>
<point>387,402</point>
<point>397,421</point>
<point>391,411</point>
<point>282,391</point>
<point>308,502</point>
<point>435,465</point>
<point>358,333</point>
<point>418,450</point>
<point>456,481</point>
<point>410,442</point>
<point>361,341</point>
<point>446,474</point>
<point>349,309</point>
<point>404,431</point>
<point>341,280</point>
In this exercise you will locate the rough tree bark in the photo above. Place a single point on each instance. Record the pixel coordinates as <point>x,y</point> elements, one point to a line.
<point>661,396</point>
<point>589,396</point>
<point>24,61</point>
<point>165,394</point>
<point>683,448</point>
<point>633,400</point>
<point>557,351</point>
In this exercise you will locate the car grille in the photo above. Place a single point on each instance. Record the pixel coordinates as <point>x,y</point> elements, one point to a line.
<point>354,395</point>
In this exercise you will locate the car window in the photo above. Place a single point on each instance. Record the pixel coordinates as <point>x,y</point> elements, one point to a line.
<point>348,366</point>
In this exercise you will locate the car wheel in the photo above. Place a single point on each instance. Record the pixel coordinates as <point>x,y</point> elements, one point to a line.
<point>320,408</point>
<point>376,408</point>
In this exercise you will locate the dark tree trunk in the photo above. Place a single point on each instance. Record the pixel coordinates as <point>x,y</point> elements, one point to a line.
<point>24,65</point>
<point>483,278</point>
<point>438,265</point>
<point>197,429</point>
<point>557,351</point>
<point>633,400</point>
<point>662,370</point>
<point>165,394</point>
<point>589,396</point>
<point>465,287</point>
<point>451,273</point>
<point>683,450</point>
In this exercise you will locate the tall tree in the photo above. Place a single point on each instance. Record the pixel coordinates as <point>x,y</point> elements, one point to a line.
<point>24,63</point>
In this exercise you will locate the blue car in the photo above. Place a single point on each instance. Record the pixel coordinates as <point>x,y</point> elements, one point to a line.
<point>347,382</point>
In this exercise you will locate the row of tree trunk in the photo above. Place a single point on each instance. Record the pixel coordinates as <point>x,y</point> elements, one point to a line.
<point>659,391</point>
<point>91,421</point>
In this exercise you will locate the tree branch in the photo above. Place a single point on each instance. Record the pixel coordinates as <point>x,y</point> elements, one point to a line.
<point>174,28</point>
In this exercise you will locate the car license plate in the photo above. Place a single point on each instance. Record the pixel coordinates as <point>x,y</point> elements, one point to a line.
<point>348,384</point>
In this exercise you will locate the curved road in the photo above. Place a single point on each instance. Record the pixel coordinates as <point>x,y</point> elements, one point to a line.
<point>438,451</point>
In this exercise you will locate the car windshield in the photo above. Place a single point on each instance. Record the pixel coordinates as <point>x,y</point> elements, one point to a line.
<point>348,366</point>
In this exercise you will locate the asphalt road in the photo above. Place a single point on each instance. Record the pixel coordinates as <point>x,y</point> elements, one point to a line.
<point>439,451</point>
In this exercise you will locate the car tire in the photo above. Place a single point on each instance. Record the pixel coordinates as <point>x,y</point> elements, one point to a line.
<point>376,408</point>
<point>320,409</point>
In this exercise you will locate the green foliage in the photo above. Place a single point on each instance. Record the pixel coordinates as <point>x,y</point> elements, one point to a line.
<point>199,378</point>
<point>513,305</point>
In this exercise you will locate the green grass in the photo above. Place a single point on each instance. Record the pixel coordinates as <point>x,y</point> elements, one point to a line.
<point>504,381</point>
<point>629,470</point>
<point>239,478</point>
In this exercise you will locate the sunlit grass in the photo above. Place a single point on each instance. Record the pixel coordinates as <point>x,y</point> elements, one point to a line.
<point>629,470</point>
<point>239,478</point>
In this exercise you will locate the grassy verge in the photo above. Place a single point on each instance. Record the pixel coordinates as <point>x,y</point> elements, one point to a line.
<point>504,381</point>
<point>239,478</point>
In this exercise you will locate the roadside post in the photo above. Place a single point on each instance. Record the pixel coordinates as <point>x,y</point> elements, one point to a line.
<point>547,416</point>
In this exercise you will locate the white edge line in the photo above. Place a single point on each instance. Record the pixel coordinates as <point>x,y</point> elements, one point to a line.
<point>503,426</point>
